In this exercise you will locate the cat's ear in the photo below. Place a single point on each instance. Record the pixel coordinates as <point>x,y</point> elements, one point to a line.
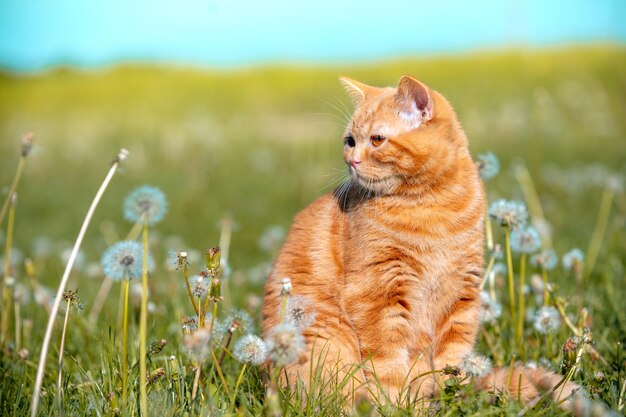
<point>414,99</point>
<point>356,89</point>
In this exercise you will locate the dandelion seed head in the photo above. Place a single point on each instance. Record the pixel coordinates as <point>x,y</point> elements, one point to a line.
<point>546,259</point>
<point>27,143</point>
<point>236,321</point>
<point>498,253</point>
<point>188,324</point>
<point>145,205</point>
<point>529,315</point>
<point>176,260</point>
<point>42,295</point>
<point>300,312</point>
<point>157,346</point>
<point>70,298</point>
<point>42,247</point>
<point>284,344</point>
<point>250,349</point>
<point>124,260</point>
<point>547,320</point>
<point>94,270</point>
<point>122,155</point>
<point>488,165</point>
<point>615,183</point>
<point>491,310</point>
<point>573,259</point>
<point>509,213</point>
<point>536,283</point>
<point>14,260</point>
<point>475,365</point>
<point>197,345</point>
<point>199,285</point>
<point>499,269</point>
<point>271,239</point>
<point>525,240</point>
<point>21,293</point>
<point>285,286</point>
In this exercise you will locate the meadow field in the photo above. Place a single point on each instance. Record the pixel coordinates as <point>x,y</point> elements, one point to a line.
<point>237,153</point>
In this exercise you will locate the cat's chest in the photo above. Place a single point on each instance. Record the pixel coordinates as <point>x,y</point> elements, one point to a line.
<point>394,262</point>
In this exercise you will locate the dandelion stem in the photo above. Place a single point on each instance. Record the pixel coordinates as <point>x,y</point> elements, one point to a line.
<point>239,379</point>
<point>193,301</point>
<point>546,293</point>
<point>566,320</point>
<point>283,307</point>
<point>488,270</point>
<point>225,238</point>
<point>492,285</point>
<point>622,394</point>
<point>572,371</point>
<point>213,318</point>
<point>219,371</point>
<point>18,327</point>
<point>489,233</point>
<point>143,327</point>
<point>203,309</point>
<point>7,296</point>
<point>126,285</point>
<point>509,265</point>
<point>9,200</point>
<point>226,345</point>
<point>273,401</point>
<point>101,297</point>
<point>602,220</point>
<point>522,313</point>
<point>61,351</point>
<point>70,263</point>
<point>196,382</point>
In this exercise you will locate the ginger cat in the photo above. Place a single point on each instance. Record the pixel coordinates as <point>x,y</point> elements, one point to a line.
<point>393,259</point>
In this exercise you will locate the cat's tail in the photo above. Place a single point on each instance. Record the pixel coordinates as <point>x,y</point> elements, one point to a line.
<point>529,385</point>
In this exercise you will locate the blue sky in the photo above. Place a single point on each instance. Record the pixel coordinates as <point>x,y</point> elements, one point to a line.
<point>36,34</point>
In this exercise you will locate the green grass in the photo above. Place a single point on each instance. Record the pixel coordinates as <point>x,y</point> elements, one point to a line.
<point>259,144</point>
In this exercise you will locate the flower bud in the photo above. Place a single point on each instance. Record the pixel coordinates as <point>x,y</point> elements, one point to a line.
<point>213,257</point>
<point>27,143</point>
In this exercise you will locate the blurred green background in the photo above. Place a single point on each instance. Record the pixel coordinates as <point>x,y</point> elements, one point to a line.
<point>260,144</point>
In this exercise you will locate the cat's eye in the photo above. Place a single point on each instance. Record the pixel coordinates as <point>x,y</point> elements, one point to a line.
<point>349,141</point>
<point>377,140</point>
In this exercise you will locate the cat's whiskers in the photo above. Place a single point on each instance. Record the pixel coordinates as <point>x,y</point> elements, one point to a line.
<point>340,178</point>
<point>347,116</point>
<point>343,104</point>
<point>341,193</point>
<point>339,120</point>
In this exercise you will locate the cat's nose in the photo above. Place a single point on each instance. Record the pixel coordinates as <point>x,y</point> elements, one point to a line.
<point>354,162</point>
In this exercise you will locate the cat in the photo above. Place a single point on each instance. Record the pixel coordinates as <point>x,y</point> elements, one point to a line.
<point>392,260</point>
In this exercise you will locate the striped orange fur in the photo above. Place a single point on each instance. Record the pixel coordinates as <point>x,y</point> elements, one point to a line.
<point>392,260</point>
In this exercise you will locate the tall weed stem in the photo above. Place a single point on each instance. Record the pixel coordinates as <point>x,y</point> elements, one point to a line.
<point>7,293</point>
<point>143,328</point>
<point>522,305</point>
<point>595,244</point>
<point>509,266</point>
<point>126,285</point>
<point>61,351</point>
<point>66,274</point>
